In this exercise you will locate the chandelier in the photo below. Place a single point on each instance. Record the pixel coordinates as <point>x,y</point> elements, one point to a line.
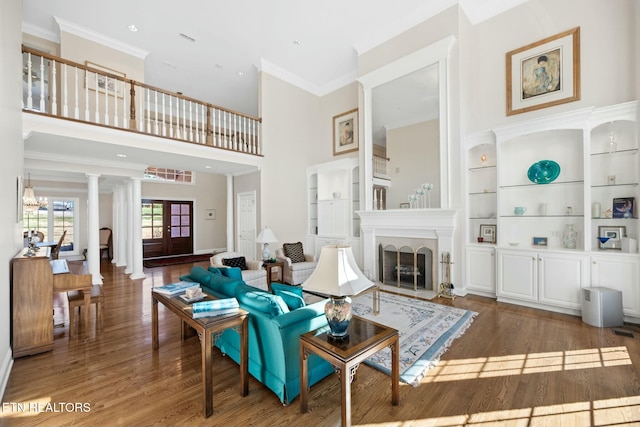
<point>29,202</point>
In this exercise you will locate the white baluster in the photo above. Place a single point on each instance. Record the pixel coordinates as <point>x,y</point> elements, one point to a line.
<point>106,100</point>
<point>155,108</point>
<point>97,115</point>
<point>148,112</point>
<point>203,109</point>
<point>184,119</point>
<point>29,83</point>
<point>65,91</point>
<point>164,118</point>
<point>170,117</point>
<point>196,126</point>
<point>87,114</point>
<point>116,83</point>
<point>141,118</point>
<point>178,118</point>
<point>76,107</point>
<point>190,121</point>
<point>54,90</point>
<point>42,104</point>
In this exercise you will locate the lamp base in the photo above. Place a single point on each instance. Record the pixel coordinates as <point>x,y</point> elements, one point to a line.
<point>338,312</point>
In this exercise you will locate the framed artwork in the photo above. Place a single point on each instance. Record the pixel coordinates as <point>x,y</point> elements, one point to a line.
<point>111,84</point>
<point>624,207</point>
<point>544,73</point>
<point>345,132</point>
<point>610,236</point>
<point>539,241</point>
<point>488,233</point>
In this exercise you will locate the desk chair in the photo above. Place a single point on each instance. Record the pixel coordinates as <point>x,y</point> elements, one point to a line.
<point>76,300</point>
<point>106,240</point>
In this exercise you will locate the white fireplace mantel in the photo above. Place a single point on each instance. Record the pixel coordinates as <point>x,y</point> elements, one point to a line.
<point>436,224</point>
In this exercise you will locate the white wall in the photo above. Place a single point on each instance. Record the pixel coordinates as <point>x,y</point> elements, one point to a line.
<point>12,153</point>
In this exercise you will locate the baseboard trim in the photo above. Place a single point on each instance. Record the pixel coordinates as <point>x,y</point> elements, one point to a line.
<point>7,364</point>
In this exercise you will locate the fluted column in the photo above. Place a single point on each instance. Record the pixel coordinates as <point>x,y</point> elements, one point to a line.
<point>120,226</point>
<point>136,226</point>
<point>230,234</point>
<point>129,241</point>
<point>93,226</point>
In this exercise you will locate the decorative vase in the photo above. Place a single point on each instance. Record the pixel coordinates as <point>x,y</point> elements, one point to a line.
<point>338,312</point>
<point>569,237</point>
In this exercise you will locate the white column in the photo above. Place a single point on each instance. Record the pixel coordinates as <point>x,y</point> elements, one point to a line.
<point>136,226</point>
<point>129,241</point>
<point>93,229</point>
<point>230,217</point>
<point>120,227</point>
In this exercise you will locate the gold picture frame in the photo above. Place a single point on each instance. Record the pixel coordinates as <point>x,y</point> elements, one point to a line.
<point>544,73</point>
<point>107,79</point>
<point>345,132</point>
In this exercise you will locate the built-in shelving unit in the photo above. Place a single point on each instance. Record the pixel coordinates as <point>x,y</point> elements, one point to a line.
<point>534,263</point>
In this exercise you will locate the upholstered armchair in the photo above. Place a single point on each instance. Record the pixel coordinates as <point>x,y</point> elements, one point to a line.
<point>252,272</point>
<point>298,266</point>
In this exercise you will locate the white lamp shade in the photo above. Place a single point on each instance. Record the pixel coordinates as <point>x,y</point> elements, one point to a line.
<point>266,236</point>
<point>337,273</point>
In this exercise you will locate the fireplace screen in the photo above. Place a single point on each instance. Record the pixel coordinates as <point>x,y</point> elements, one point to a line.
<point>406,267</point>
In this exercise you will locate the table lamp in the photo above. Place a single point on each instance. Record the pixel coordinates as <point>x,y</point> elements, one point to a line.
<point>266,236</point>
<point>338,276</point>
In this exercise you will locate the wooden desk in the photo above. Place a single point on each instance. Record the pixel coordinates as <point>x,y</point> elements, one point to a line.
<point>365,339</point>
<point>32,286</point>
<point>206,327</point>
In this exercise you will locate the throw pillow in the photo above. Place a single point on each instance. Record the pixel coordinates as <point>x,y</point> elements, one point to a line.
<point>239,262</point>
<point>282,287</point>
<point>294,251</point>
<point>292,300</point>
<point>214,270</point>
<point>232,273</point>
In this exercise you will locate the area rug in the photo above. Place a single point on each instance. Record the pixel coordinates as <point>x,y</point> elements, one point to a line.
<point>426,331</point>
<point>175,260</point>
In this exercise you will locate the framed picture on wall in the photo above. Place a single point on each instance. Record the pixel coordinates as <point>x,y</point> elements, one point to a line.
<point>102,79</point>
<point>544,73</point>
<point>488,233</point>
<point>345,132</point>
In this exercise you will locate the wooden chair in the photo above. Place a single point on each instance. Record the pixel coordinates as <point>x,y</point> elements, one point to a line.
<point>55,251</point>
<point>76,300</point>
<point>106,240</point>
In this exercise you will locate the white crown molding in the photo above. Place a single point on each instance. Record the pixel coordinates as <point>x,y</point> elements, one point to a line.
<point>478,11</point>
<point>36,31</point>
<point>287,76</point>
<point>60,158</point>
<point>382,35</point>
<point>79,31</point>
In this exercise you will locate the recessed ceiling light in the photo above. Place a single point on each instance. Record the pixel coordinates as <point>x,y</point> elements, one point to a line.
<point>207,167</point>
<point>121,155</point>
<point>297,42</point>
<point>219,65</point>
<point>133,28</point>
<point>240,73</point>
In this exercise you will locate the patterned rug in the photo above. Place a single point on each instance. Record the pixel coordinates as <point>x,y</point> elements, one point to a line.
<point>426,331</point>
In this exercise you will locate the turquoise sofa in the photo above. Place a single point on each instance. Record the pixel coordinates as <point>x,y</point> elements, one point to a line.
<point>274,331</point>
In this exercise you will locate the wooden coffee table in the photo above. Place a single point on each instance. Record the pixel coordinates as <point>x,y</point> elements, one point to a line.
<point>206,327</point>
<point>365,339</point>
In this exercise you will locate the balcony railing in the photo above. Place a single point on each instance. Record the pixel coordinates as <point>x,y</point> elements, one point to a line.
<point>93,94</point>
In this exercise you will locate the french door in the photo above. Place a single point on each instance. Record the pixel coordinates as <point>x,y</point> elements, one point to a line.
<point>167,228</point>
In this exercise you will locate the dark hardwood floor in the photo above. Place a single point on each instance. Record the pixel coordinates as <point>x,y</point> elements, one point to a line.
<point>514,367</point>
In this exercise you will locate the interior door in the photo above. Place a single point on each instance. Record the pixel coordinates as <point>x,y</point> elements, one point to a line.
<point>247,224</point>
<point>167,228</point>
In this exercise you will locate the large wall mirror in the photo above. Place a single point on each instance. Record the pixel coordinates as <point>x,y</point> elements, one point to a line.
<point>405,131</point>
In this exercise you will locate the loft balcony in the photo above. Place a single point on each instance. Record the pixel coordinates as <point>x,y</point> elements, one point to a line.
<point>58,89</point>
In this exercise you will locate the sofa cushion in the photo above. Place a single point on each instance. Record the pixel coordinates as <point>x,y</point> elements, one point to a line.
<point>239,262</point>
<point>282,287</point>
<point>224,285</point>
<point>292,300</point>
<point>214,270</point>
<point>264,302</point>
<point>232,273</point>
<point>294,251</point>
<point>200,275</point>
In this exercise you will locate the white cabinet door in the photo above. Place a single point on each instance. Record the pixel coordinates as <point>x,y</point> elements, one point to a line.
<point>518,275</point>
<point>620,273</point>
<point>561,277</point>
<point>481,269</point>
<point>333,217</point>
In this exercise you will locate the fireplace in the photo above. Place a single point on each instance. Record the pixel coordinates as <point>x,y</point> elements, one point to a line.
<point>406,266</point>
<point>419,237</point>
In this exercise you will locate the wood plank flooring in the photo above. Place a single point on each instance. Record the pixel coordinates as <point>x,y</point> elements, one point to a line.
<point>514,367</point>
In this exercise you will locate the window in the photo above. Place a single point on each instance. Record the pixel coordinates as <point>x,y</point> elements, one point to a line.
<point>54,219</point>
<point>168,175</point>
<point>152,225</point>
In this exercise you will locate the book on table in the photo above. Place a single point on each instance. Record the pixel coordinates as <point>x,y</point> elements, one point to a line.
<point>175,288</point>
<point>216,307</point>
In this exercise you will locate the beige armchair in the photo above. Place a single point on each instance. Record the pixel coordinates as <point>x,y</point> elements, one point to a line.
<point>296,269</point>
<point>253,275</point>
